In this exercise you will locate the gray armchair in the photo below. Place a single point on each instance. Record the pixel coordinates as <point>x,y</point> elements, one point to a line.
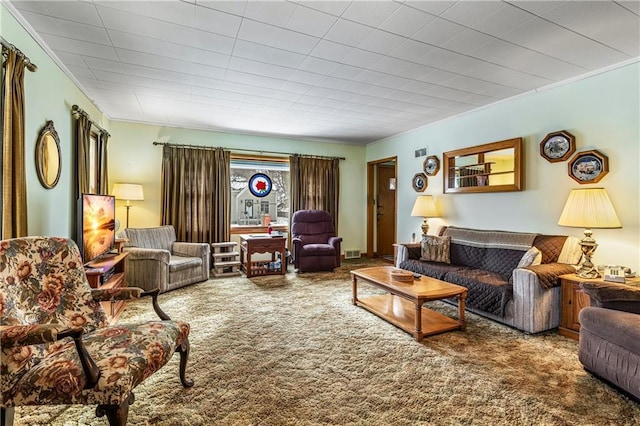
<point>156,259</point>
<point>610,335</point>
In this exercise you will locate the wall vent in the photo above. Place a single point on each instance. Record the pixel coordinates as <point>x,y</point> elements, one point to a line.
<point>352,254</point>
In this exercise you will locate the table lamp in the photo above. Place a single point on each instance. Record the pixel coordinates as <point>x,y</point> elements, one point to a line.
<point>425,207</point>
<point>589,208</point>
<point>129,192</point>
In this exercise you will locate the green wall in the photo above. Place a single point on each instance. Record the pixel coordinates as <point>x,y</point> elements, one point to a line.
<point>601,111</point>
<point>49,95</point>
<point>137,160</point>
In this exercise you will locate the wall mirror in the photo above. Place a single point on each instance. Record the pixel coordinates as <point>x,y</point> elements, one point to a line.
<point>492,167</point>
<point>48,161</point>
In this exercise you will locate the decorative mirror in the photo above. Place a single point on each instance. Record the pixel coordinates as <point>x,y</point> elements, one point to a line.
<point>492,167</point>
<point>48,161</point>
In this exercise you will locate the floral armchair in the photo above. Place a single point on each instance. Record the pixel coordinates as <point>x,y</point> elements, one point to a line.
<point>57,346</point>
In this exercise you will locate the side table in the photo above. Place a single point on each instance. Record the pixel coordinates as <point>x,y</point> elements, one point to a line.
<point>262,243</point>
<point>573,300</point>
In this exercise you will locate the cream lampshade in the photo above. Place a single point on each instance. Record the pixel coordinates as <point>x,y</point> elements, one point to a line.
<point>425,207</point>
<point>589,208</point>
<point>129,192</point>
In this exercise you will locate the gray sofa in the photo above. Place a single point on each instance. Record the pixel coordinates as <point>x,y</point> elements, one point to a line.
<point>156,259</point>
<point>487,263</point>
<point>610,335</point>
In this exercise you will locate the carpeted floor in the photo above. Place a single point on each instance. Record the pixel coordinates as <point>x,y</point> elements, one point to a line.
<point>293,350</point>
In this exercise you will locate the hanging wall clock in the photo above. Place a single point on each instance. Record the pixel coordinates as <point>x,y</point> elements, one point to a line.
<point>260,185</point>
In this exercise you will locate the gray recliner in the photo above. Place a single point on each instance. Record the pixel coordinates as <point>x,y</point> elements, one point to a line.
<point>156,259</point>
<point>610,335</point>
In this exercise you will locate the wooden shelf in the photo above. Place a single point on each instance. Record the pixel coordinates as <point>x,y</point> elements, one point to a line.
<point>107,273</point>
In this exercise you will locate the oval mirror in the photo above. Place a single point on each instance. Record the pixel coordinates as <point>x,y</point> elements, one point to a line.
<point>48,161</point>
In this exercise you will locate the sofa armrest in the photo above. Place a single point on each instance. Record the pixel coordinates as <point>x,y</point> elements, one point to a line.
<point>407,251</point>
<point>158,255</point>
<point>191,249</point>
<point>548,273</point>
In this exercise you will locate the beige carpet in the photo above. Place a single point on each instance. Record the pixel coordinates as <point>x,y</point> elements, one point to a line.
<point>293,350</point>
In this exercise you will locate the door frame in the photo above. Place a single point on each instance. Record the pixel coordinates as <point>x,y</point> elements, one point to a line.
<point>371,200</point>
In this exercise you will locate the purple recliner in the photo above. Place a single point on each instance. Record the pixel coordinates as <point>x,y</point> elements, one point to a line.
<point>315,245</point>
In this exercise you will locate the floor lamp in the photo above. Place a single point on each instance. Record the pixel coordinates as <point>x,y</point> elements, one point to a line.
<point>128,192</point>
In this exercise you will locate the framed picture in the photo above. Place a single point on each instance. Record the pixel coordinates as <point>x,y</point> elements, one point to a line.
<point>431,165</point>
<point>558,146</point>
<point>588,166</point>
<point>420,182</point>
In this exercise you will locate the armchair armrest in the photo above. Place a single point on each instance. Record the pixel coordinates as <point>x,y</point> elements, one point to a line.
<point>136,253</point>
<point>24,335</point>
<point>120,293</point>
<point>335,241</point>
<point>190,249</point>
<point>619,297</point>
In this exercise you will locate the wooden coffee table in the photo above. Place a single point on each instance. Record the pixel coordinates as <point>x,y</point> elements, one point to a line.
<point>402,305</point>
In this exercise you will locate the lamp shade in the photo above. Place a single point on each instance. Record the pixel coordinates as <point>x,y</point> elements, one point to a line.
<point>128,191</point>
<point>425,207</point>
<point>589,208</point>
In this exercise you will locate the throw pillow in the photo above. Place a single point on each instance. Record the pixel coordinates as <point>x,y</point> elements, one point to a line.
<point>533,256</point>
<point>436,249</point>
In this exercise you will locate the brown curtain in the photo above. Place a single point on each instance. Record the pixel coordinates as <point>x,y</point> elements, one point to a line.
<point>315,184</point>
<point>83,143</point>
<point>103,176</point>
<point>14,185</point>
<point>196,193</point>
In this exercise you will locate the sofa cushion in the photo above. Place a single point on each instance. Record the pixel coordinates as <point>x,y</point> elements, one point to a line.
<point>435,249</point>
<point>487,291</point>
<point>550,246</point>
<point>430,269</point>
<point>180,263</point>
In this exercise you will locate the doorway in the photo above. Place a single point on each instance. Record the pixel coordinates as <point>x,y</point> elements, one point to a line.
<point>381,208</point>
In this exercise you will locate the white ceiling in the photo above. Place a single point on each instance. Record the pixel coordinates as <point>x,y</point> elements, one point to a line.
<point>349,71</point>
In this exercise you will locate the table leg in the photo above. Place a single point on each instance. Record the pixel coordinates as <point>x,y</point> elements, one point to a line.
<point>354,288</point>
<point>461,307</point>
<point>249,266</point>
<point>417,333</point>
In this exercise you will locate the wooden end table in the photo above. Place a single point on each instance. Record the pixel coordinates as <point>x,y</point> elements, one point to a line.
<point>402,305</point>
<point>262,243</point>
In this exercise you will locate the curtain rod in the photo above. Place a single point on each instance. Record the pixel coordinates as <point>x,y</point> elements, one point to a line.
<point>27,62</point>
<point>76,109</point>
<point>250,150</point>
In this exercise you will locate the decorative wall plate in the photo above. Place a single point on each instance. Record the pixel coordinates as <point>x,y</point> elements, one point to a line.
<point>588,166</point>
<point>558,146</point>
<point>419,182</point>
<point>260,185</point>
<point>431,165</point>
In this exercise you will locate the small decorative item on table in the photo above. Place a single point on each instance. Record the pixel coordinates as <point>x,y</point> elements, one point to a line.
<point>431,165</point>
<point>588,166</point>
<point>400,275</point>
<point>419,182</point>
<point>558,146</point>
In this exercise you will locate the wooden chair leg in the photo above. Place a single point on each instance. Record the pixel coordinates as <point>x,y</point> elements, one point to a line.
<point>116,414</point>
<point>6,416</point>
<point>184,357</point>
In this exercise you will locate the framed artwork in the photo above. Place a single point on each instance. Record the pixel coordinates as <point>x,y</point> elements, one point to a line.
<point>431,165</point>
<point>588,166</point>
<point>558,146</point>
<point>260,185</point>
<point>419,182</point>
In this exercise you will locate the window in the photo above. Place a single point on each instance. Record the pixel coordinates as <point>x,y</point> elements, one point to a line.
<point>249,210</point>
